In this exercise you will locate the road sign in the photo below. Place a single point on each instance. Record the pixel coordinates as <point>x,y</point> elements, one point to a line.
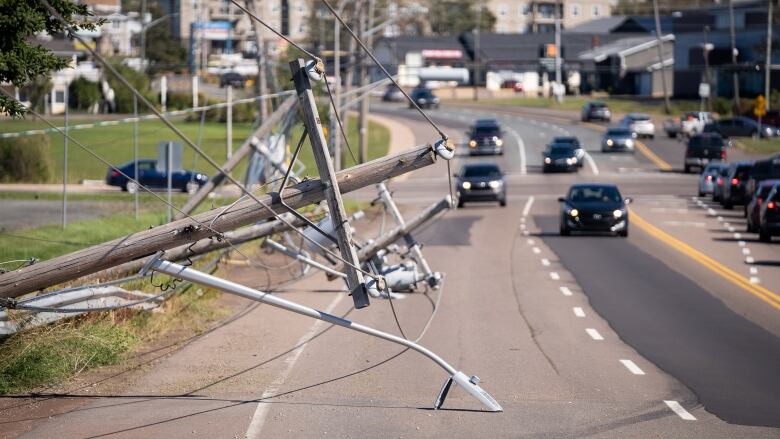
<point>704,90</point>
<point>759,107</point>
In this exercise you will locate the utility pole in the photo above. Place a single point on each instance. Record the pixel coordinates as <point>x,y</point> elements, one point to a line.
<point>334,135</point>
<point>262,82</point>
<point>354,57</point>
<point>558,80</point>
<point>476,53</point>
<point>366,23</point>
<point>229,121</point>
<point>143,35</point>
<point>735,74</point>
<point>768,72</point>
<point>667,105</point>
<point>707,77</point>
<point>355,283</point>
<point>135,154</point>
<point>65,166</point>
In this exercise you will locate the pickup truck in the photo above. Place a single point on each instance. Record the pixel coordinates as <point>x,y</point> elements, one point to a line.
<point>689,124</point>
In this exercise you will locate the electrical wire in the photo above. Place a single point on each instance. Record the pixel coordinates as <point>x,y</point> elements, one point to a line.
<point>338,119</point>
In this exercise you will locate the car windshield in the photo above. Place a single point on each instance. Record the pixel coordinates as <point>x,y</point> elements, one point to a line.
<point>618,132</point>
<point>590,194</point>
<point>639,117</point>
<point>560,150</point>
<point>708,141</point>
<point>764,191</point>
<point>569,140</point>
<point>423,93</point>
<point>742,172</point>
<point>487,130</point>
<point>481,171</point>
<point>598,105</point>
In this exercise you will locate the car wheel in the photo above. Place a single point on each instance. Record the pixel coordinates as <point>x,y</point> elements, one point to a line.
<point>623,233</point>
<point>728,205</point>
<point>502,202</point>
<point>131,187</point>
<point>687,169</point>
<point>763,235</point>
<point>701,194</point>
<point>191,187</point>
<point>565,230</point>
<point>460,203</point>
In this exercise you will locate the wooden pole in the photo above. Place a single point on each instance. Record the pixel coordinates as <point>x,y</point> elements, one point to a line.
<point>143,244</point>
<point>311,120</point>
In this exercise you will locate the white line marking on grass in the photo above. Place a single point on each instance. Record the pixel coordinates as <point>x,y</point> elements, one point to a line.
<point>578,311</point>
<point>566,291</point>
<point>681,412</point>
<point>527,207</point>
<point>594,334</point>
<point>554,275</point>
<point>632,367</point>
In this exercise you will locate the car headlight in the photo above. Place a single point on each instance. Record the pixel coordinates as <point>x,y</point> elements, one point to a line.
<point>422,100</point>
<point>547,160</point>
<point>472,143</point>
<point>574,212</point>
<point>617,213</point>
<point>466,185</point>
<point>495,184</point>
<point>569,161</point>
<point>499,142</point>
<point>574,160</point>
<point>435,100</point>
<point>609,142</point>
<point>629,142</point>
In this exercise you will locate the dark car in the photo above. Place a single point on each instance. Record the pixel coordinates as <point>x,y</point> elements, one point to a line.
<point>486,137</point>
<point>232,79</point>
<point>480,182</point>
<point>772,117</point>
<point>763,170</point>
<point>559,157</point>
<point>594,207</point>
<point>579,151</point>
<point>596,111</point>
<point>769,218</point>
<point>735,185</point>
<point>703,149</point>
<point>424,98</point>
<point>393,94</point>
<point>618,139</point>
<point>149,176</point>
<point>753,209</point>
<point>740,127</point>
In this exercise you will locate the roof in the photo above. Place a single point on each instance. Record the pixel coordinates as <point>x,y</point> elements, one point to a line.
<point>622,24</point>
<point>603,25</point>
<point>622,47</point>
<point>58,46</point>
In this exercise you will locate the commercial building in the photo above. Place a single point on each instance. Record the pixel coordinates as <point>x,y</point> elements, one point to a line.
<point>538,16</point>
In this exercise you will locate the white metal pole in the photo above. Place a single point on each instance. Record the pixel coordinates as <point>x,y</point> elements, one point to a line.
<point>135,155</point>
<point>229,121</point>
<point>65,166</point>
<point>558,83</point>
<point>735,74</point>
<point>194,91</point>
<point>164,93</point>
<point>337,77</point>
<point>169,170</point>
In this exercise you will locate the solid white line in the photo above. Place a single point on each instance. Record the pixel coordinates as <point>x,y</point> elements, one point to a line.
<point>632,367</point>
<point>681,412</point>
<point>528,204</point>
<point>554,275</point>
<point>521,150</point>
<point>591,163</point>
<point>536,250</point>
<point>594,334</point>
<point>258,418</point>
<point>578,311</point>
<point>545,262</point>
<point>566,291</point>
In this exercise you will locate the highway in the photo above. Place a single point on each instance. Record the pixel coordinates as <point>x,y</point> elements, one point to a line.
<point>671,332</point>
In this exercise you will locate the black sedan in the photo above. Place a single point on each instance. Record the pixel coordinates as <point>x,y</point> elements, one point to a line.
<point>149,176</point>
<point>740,126</point>
<point>579,151</point>
<point>594,208</point>
<point>480,182</point>
<point>233,79</point>
<point>486,137</point>
<point>560,157</point>
<point>424,98</point>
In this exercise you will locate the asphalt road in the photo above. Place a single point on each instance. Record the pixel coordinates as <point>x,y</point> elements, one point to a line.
<point>583,336</point>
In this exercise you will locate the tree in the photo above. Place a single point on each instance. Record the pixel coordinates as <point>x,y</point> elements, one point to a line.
<point>22,60</point>
<point>453,17</point>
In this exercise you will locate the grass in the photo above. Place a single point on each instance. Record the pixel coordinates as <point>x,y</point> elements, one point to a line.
<point>760,146</point>
<point>572,103</point>
<point>115,144</point>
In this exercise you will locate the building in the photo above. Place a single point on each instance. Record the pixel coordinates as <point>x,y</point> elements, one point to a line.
<point>538,16</point>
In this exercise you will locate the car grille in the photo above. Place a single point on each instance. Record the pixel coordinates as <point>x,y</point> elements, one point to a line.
<point>597,218</point>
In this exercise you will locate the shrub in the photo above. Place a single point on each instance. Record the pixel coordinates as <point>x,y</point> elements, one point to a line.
<point>722,106</point>
<point>25,159</point>
<point>123,97</point>
<point>83,93</point>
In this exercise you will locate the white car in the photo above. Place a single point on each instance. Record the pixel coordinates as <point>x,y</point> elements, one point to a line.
<point>640,124</point>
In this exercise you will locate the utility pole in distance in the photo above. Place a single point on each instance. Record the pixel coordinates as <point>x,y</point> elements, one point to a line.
<point>476,52</point>
<point>768,72</point>
<point>734,57</point>
<point>366,23</point>
<point>338,216</point>
<point>667,106</point>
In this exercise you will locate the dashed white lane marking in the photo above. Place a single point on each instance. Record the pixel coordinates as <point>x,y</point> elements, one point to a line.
<point>737,236</point>
<point>522,226</point>
<point>681,412</point>
<point>741,243</point>
<point>749,260</point>
<point>522,220</point>
<point>554,275</point>
<point>726,224</point>
<point>711,212</point>
<point>731,229</point>
<point>578,311</point>
<point>566,291</point>
<point>526,233</point>
<point>755,280</point>
<point>258,418</point>
<point>745,251</point>
<point>521,151</point>
<point>753,270</point>
<point>720,218</point>
<point>527,207</point>
<point>594,334</point>
<point>536,250</point>
<point>545,262</point>
<point>632,367</point>
<point>530,241</point>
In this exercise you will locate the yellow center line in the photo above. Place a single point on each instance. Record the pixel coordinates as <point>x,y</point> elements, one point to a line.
<point>730,275</point>
<point>647,152</point>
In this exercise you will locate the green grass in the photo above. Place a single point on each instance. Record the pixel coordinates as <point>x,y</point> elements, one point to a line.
<point>760,146</point>
<point>616,105</point>
<point>115,144</point>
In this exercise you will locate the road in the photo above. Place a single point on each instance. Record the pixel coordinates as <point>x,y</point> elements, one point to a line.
<point>671,332</point>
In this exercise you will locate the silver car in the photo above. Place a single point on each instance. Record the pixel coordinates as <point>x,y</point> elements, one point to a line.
<point>639,123</point>
<point>709,176</point>
<point>618,139</point>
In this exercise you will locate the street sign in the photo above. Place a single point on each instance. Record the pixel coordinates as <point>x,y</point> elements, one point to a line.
<point>759,107</point>
<point>162,156</point>
<point>704,90</point>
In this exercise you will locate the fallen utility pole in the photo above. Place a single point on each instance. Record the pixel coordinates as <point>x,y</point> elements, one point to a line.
<point>141,244</point>
<point>311,120</point>
<point>265,128</point>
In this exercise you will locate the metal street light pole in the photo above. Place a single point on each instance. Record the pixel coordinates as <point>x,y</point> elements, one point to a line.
<point>558,84</point>
<point>667,105</point>
<point>707,78</point>
<point>734,56</point>
<point>476,53</point>
<point>145,28</point>
<point>367,23</point>
<point>768,70</point>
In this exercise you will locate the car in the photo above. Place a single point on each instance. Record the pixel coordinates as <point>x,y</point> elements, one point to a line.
<point>720,181</point>
<point>424,98</point>
<point>233,79</point>
<point>596,111</point>
<point>590,207</point>
<point>486,137</point>
<point>579,151</point>
<point>766,169</point>
<point>740,126</point>
<point>690,123</point>
<point>640,124</point>
<point>480,182</point>
<point>393,94</point>
<point>709,176</point>
<point>149,176</point>
<point>735,185</point>
<point>618,139</point>
<point>701,149</point>
<point>753,209</point>
<point>771,117</point>
<point>559,157</point>
<point>769,218</point>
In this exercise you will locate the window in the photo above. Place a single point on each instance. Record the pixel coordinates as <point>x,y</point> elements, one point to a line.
<point>59,96</point>
<point>575,10</point>
<point>595,10</point>
<point>502,9</point>
<point>285,17</point>
<point>115,24</point>
<point>546,10</point>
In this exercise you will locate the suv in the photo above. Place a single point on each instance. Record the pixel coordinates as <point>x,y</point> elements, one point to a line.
<point>769,219</point>
<point>763,170</point>
<point>424,98</point>
<point>703,149</point>
<point>232,79</point>
<point>639,123</point>
<point>486,137</point>
<point>596,111</point>
<point>735,185</point>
